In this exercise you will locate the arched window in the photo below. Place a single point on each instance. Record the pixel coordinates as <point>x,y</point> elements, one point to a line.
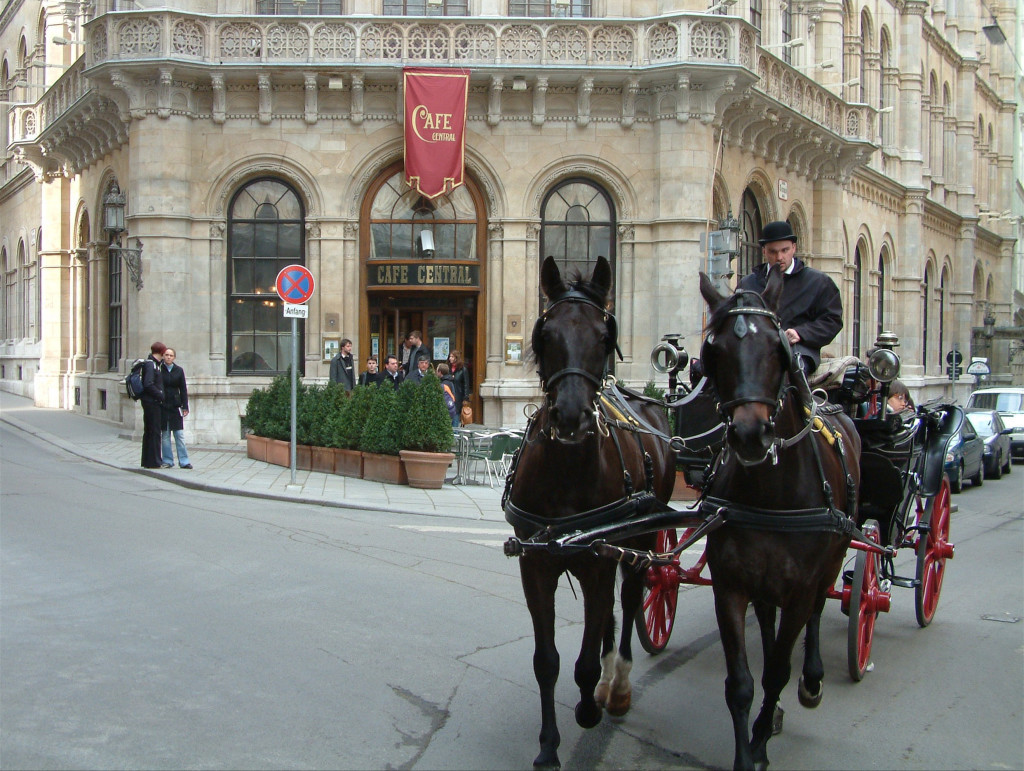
<point>114,302</point>
<point>786,24</point>
<point>265,234</point>
<point>400,215</point>
<point>882,289</point>
<point>858,289</point>
<point>24,295</point>
<point>756,12</point>
<point>750,232</point>
<point>6,332</point>
<point>578,226</point>
<point>924,317</point>
<point>942,319</point>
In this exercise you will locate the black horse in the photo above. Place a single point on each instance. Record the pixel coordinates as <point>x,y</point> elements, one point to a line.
<point>589,457</point>
<point>784,484</point>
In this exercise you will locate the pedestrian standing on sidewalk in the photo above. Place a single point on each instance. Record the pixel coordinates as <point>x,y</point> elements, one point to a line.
<point>343,369</point>
<point>152,398</point>
<point>175,410</point>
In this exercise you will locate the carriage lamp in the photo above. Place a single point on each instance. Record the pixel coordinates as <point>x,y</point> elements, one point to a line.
<point>884,365</point>
<point>114,203</point>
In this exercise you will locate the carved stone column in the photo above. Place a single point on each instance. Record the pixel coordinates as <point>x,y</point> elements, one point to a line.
<point>495,284</point>
<point>352,281</point>
<point>312,323</point>
<point>624,308</point>
<point>218,298</point>
<point>312,104</point>
<point>540,94</point>
<point>219,99</point>
<point>356,109</point>
<point>583,91</point>
<point>265,97</point>
<point>494,101</point>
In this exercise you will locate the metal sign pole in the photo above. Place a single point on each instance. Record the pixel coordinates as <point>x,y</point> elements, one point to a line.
<point>295,378</point>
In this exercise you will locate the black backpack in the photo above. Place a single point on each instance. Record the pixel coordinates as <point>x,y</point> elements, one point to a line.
<point>133,380</point>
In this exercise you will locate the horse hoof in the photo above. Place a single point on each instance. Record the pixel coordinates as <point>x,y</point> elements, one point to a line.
<point>546,762</point>
<point>586,716</point>
<point>808,699</point>
<point>601,693</point>
<point>619,704</point>
<point>777,718</point>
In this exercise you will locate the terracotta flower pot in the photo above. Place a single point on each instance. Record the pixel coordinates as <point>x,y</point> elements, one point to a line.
<point>348,463</point>
<point>426,469</point>
<point>303,457</point>
<point>384,468</point>
<point>256,447</point>
<point>322,459</point>
<point>279,452</point>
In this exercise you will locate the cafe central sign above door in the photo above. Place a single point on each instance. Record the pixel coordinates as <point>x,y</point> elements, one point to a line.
<point>423,275</point>
<point>435,129</point>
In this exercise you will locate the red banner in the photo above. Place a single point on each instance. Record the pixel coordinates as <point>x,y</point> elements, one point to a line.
<point>435,129</point>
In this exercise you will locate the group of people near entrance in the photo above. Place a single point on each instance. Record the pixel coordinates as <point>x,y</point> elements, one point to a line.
<point>810,312</point>
<point>164,409</point>
<point>413,365</point>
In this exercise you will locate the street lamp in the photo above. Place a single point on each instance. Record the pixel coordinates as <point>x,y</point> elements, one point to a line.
<point>989,322</point>
<point>723,248</point>
<point>114,203</point>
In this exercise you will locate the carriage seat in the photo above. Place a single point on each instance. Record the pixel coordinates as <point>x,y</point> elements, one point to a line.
<point>830,372</point>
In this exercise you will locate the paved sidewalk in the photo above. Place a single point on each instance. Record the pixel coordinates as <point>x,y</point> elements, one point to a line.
<point>227,470</point>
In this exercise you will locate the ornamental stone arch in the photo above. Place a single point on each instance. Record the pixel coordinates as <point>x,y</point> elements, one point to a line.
<point>797,218</point>
<point>485,178</point>
<point>720,198</point>
<point>227,182</point>
<point>760,184</point>
<point>599,171</point>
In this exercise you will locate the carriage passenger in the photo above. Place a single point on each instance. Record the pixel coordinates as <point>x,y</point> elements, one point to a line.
<point>811,310</point>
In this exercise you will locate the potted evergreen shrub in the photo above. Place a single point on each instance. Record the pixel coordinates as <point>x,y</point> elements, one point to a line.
<point>345,427</point>
<point>379,439</point>
<point>322,405</point>
<point>426,433</point>
<point>268,414</point>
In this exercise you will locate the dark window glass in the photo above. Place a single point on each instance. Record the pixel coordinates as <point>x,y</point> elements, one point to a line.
<point>578,220</point>
<point>426,7</point>
<point>114,331</point>
<point>265,234</point>
<point>750,232</point>
<point>574,9</point>
<point>924,318</point>
<point>399,215</point>
<point>290,8</point>
<point>787,31</point>
<point>881,294</point>
<point>858,286</point>
<point>756,7</point>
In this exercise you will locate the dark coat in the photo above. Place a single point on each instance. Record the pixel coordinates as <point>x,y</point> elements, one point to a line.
<point>462,387</point>
<point>393,382</point>
<point>810,304</point>
<point>175,397</point>
<point>367,379</point>
<point>152,381</point>
<point>343,370</point>
<point>414,354</point>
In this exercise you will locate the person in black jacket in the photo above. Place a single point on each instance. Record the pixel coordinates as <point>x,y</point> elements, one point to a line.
<point>392,374</point>
<point>343,368</point>
<point>811,310</point>
<point>175,410</point>
<point>371,376</point>
<point>416,348</point>
<point>152,398</point>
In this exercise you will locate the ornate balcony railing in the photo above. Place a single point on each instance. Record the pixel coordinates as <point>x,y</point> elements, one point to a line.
<point>645,49</point>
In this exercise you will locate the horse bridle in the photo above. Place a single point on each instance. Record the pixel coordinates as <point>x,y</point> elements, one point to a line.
<point>575,296</point>
<point>786,383</point>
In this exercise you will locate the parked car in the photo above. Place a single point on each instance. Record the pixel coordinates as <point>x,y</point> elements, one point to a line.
<point>996,436</point>
<point>965,458</point>
<point>1008,401</point>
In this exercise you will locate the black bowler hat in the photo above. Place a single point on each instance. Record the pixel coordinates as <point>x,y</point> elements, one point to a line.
<point>776,231</point>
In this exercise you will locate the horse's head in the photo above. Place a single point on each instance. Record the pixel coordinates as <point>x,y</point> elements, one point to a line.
<point>571,343</point>
<point>747,358</point>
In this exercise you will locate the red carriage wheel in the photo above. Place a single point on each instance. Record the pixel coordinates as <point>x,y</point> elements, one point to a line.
<point>866,600</point>
<point>933,549</point>
<point>657,614</point>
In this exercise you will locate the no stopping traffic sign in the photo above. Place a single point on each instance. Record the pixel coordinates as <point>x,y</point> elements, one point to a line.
<point>294,284</point>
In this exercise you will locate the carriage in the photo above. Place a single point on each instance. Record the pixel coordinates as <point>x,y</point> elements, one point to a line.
<point>779,469</point>
<point>904,495</point>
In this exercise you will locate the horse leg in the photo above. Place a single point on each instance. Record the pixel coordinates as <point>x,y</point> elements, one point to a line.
<point>598,602</point>
<point>731,610</point>
<point>539,586</point>
<point>777,669</point>
<point>765,613</point>
<point>620,697</point>
<point>604,685</point>
<point>810,688</point>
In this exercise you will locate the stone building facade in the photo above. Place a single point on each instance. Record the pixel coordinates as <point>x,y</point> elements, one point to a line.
<point>245,135</point>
